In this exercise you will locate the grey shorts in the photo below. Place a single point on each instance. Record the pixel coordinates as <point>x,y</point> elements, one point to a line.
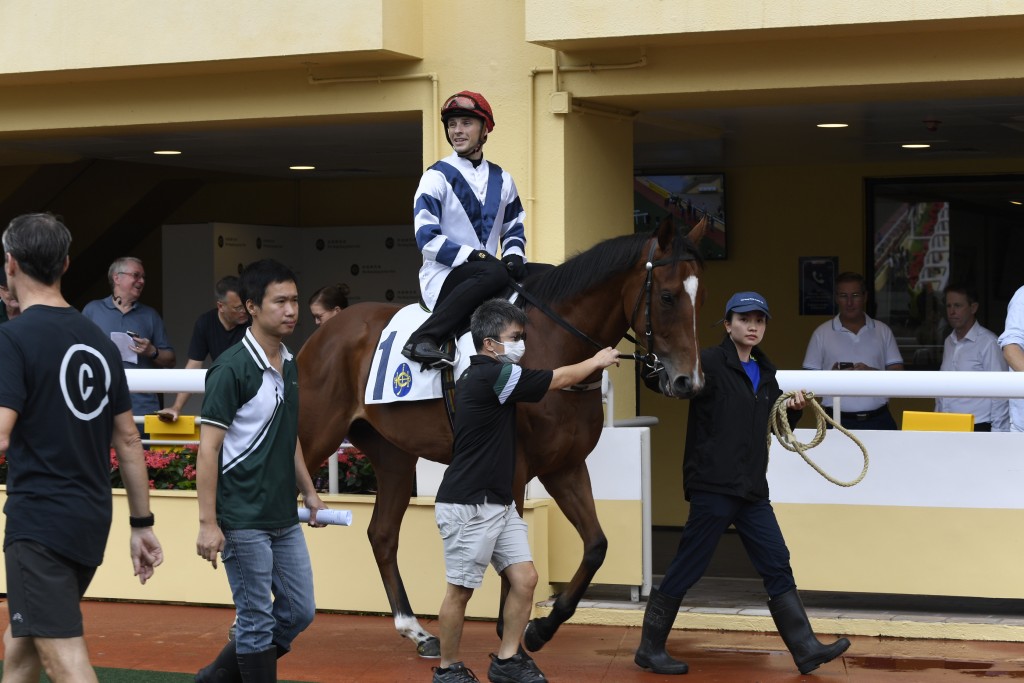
<point>477,535</point>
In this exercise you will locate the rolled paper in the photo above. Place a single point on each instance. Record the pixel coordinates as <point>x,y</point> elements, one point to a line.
<point>328,516</point>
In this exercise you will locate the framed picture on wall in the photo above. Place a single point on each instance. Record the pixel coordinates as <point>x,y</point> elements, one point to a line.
<point>687,198</point>
<point>817,284</point>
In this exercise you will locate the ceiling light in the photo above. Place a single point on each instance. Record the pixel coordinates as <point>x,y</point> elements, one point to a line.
<point>833,125</point>
<point>915,145</point>
<point>1014,201</point>
<point>302,168</point>
<point>167,152</point>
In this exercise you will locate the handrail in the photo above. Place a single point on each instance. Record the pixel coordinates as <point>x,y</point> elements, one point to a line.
<point>923,384</point>
<point>906,384</point>
<point>909,384</point>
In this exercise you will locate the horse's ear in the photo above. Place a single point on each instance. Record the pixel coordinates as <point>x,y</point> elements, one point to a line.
<point>696,234</point>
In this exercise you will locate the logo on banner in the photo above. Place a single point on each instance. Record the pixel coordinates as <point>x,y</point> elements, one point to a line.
<point>401,383</point>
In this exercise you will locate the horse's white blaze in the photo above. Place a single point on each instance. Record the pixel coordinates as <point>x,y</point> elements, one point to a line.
<point>691,285</point>
<point>409,627</point>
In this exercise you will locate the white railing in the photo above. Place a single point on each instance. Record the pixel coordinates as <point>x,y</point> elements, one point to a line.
<point>928,384</point>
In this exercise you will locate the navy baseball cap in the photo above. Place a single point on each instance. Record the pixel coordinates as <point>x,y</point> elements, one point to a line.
<point>745,302</point>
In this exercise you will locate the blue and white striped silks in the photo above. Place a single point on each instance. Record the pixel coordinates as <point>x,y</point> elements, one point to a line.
<point>459,209</point>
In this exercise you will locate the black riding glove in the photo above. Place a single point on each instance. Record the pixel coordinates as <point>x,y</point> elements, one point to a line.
<point>480,255</point>
<point>516,266</point>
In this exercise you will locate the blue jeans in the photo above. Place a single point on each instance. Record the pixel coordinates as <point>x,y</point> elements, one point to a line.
<point>710,515</point>
<point>272,584</point>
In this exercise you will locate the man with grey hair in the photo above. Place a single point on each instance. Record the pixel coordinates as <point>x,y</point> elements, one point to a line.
<point>139,327</point>
<point>63,401</point>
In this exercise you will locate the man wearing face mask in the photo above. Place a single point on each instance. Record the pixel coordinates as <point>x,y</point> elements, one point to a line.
<point>478,521</point>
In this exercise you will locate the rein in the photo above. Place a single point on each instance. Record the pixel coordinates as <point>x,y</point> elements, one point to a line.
<point>648,358</point>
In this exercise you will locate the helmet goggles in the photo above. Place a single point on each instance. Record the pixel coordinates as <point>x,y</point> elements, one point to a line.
<point>468,103</point>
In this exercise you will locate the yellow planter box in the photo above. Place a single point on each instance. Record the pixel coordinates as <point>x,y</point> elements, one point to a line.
<point>344,572</point>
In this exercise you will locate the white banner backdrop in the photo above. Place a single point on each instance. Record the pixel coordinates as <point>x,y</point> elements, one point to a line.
<point>376,263</point>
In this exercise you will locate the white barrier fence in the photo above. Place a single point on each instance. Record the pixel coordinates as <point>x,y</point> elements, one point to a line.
<point>607,463</point>
<point>928,384</point>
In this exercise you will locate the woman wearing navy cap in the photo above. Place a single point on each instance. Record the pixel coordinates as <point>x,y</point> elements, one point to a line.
<point>724,479</point>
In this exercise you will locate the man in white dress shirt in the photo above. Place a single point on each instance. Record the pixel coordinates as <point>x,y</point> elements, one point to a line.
<point>971,347</point>
<point>1012,342</point>
<point>854,341</point>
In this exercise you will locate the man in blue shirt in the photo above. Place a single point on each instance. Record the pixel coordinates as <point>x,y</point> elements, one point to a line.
<point>121,313</point>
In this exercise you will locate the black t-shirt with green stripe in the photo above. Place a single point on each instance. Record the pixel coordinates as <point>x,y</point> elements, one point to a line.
<point>484,452</point>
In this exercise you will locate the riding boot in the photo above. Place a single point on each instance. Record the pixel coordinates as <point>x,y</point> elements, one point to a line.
<point>658,618</point>
<point>259,667</point>
<point>224,668</point>
<point>791,620</point>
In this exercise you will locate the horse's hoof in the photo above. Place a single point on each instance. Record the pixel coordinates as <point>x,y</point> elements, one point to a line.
<point>532,638</point>
<point>429,648</point>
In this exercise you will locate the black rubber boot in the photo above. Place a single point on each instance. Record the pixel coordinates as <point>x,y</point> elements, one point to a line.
<point>658,617</point>
<point>791,620</point>
<point>259,667</point>
<point>224,668</point>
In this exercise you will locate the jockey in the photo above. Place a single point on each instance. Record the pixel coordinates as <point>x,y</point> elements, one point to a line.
<point>464,211</point>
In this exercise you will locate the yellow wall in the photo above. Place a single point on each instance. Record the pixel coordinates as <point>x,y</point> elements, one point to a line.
<point>53,35</point>
<point>608,20</point>
<point>127,66</point>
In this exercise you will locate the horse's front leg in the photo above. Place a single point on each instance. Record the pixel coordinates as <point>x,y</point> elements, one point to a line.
<point>395,469</point>
<point>571,490</point>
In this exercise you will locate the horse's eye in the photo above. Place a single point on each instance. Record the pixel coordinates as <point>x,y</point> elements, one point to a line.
<point>667,298</point>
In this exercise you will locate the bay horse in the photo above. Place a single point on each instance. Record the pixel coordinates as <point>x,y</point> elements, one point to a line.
<point>650,282</point>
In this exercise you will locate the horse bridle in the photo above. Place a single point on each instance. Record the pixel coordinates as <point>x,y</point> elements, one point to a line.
<point>652,365</point>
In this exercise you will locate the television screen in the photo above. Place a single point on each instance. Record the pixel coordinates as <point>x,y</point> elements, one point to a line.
<point>687,198</point>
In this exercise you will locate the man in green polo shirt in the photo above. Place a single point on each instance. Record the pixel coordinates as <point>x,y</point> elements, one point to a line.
<point>249,466</point>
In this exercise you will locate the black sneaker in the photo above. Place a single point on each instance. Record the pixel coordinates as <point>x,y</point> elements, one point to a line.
<point>519,668</point>
<point>456,673</point>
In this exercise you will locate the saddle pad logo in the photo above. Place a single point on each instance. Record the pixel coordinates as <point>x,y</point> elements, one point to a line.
<point>401,383</point>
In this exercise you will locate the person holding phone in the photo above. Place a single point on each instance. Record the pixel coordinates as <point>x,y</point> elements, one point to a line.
<point>854,341</point>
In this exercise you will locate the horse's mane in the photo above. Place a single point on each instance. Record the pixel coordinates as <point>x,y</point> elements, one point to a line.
<point>595,265</point>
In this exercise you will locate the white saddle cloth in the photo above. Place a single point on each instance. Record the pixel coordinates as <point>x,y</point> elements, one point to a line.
<point>393,377</point>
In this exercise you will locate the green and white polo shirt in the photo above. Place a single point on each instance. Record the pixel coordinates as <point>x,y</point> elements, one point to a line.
<point>259,408</point>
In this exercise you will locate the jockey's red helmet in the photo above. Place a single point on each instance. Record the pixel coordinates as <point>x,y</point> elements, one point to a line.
<point>468,103</point>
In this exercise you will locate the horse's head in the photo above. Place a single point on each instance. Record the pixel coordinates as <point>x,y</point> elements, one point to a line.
<point>666,310</point>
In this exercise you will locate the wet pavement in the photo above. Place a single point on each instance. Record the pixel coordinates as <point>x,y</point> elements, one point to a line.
<point>340,648</point>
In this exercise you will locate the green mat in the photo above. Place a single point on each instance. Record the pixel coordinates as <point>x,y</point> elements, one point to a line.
<point>131,676</point>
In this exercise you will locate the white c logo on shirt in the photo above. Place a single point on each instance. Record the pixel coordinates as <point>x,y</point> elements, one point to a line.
<point>82,388</point>
<point>86,394</point>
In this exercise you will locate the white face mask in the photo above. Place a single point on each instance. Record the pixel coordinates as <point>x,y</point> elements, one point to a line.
<point>514,351</point>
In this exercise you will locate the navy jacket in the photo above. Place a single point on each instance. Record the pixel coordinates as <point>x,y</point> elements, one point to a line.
<point>726,448</point>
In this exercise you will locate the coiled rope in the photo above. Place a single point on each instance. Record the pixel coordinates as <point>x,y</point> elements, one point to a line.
<point>778,424</point>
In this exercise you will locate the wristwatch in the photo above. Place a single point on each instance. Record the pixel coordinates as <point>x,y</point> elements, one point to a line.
<point>156,353</point>
<point>141,522</point>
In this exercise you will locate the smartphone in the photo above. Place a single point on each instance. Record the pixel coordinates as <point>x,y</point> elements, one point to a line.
<point>844,365</point>
<point>133,335</point>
